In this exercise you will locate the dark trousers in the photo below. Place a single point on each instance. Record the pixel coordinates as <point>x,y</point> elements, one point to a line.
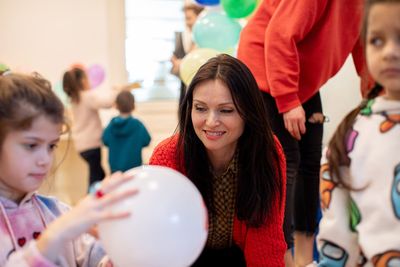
<point>93,159</point>
<point>232,257</point>
<point>303,164</point>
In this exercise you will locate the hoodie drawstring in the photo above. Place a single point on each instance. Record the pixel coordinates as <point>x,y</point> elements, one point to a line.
<point>8,224</point>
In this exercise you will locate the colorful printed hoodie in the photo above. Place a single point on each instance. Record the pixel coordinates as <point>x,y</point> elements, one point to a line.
<point>363,226</point>
<point>21,223</point>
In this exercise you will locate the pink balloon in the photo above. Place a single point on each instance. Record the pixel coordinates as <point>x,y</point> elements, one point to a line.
<point>96,75</point>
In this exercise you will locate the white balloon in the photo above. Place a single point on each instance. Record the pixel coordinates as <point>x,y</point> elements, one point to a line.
<point>167,226</point>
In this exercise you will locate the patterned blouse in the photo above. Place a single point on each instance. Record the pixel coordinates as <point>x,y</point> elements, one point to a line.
<point>224,194</point>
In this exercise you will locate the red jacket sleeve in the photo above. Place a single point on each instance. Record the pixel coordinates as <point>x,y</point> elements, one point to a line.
<point>165,153</point>
<point>289,24</point>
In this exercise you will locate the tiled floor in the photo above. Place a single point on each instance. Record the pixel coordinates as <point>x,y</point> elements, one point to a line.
<point>70,179</point>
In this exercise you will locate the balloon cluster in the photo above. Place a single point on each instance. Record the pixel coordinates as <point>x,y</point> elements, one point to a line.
<point>217,31</point>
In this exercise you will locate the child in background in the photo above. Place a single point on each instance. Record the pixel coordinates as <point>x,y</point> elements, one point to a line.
<point>86,127</point>
<point>125,136</point>
<point>360,177</point>
<point>36,230</point>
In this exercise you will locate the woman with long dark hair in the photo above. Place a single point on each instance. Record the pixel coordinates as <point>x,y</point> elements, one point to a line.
<point>226,147</point>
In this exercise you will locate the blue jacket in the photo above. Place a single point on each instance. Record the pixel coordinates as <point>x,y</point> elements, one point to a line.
<point>125,139</point>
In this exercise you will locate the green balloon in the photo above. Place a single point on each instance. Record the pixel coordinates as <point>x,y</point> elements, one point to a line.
<point>217,31</point>
<point>239,8</point>
<point>3,67</point>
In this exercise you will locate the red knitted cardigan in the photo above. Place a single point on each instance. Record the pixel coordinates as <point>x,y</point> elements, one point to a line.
<point>263,246</point>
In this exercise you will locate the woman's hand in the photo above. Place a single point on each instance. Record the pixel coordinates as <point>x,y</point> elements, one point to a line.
<point>295,120</point>
<point>86,214</point>
<point>176,63</point>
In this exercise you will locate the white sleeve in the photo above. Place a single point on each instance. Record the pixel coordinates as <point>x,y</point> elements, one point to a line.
<point>102,98</point>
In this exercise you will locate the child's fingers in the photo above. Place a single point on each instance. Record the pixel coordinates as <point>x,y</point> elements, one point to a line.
<point>114,181</point>
<point>106,195</point>
<point>112,198</point>
<point>111,177</point>
<point>105,213</point>
<point>112,215</point>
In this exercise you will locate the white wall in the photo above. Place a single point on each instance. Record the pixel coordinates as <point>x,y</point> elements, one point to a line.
<point>340,95</point>
<point>49,36</point>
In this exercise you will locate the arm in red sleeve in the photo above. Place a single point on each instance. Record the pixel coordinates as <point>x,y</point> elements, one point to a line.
<point>165,153</point>
<point>290,23</point>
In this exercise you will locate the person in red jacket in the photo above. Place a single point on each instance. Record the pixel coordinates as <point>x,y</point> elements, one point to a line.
<point>292,49</point>
<point>226,147</point>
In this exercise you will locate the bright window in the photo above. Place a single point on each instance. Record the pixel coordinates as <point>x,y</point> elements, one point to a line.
<point>150,27</point>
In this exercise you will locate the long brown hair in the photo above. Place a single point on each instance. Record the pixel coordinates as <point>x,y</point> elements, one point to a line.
<point>259,176</point>
<point>337,151</point>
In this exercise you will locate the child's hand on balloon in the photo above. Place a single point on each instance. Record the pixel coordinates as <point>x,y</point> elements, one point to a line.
<point>168,210</point>
<point>94,231</point>
<point>93,209</point>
